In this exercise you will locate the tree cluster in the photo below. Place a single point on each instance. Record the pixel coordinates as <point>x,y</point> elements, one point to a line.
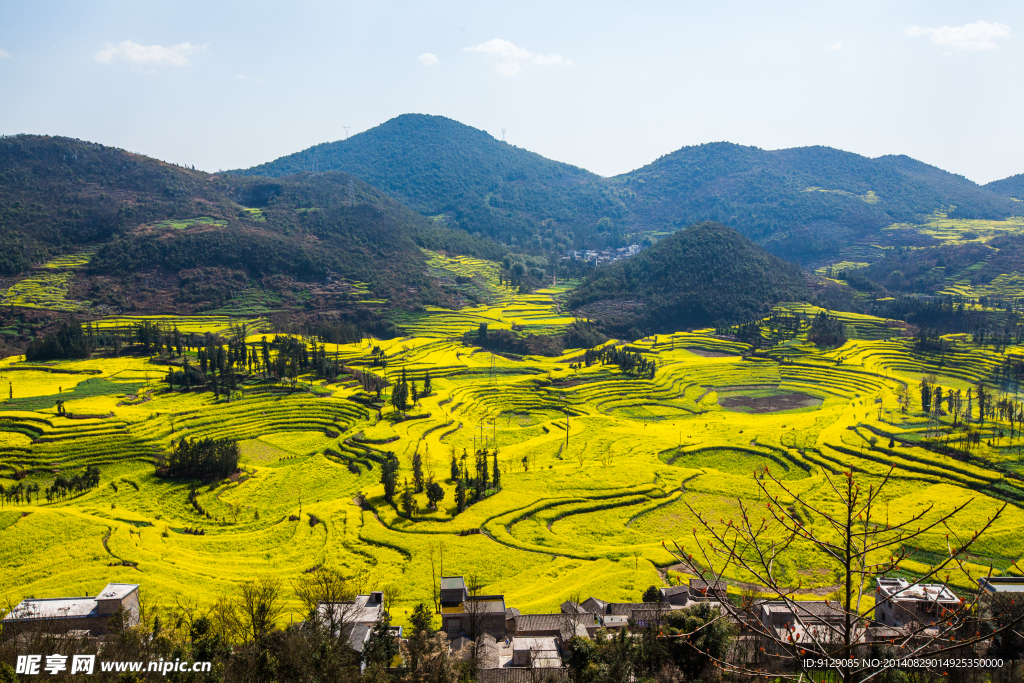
<point>199,459</point>
<point>827,331</point>
<point>628,360</point>
<point>68,342</point>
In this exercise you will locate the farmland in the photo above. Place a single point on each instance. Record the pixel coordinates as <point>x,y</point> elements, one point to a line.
<point>597,465</point>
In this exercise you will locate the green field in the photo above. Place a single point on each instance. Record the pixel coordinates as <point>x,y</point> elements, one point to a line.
<point>585,511</point>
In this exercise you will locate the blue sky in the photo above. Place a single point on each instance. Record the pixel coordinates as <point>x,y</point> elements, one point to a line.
<point>607,86</point>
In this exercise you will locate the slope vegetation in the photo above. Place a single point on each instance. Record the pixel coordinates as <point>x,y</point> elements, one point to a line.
<point>802,203</point>
<point>58,195</point>
<point>1008,187</point>
<point>467,178</point>
<point>703,275</point>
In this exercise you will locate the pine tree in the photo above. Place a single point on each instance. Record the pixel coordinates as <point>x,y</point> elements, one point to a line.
<point>389,477</point>
<point>426,384</point>
<point>455,466</point>
<point>497,472</point>
<point>408,502</point>
<point>417,470</point>
<point>460,494</point>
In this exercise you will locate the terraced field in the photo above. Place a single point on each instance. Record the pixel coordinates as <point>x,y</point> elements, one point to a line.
<point>597,466</point>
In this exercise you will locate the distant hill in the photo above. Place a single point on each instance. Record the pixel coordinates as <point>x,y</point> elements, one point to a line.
<point>1008,187</point>
<point>700,276</point>
<point>468,179</point>
<point>805,203</point>
<point>800,203</point>
<point>187,227</point>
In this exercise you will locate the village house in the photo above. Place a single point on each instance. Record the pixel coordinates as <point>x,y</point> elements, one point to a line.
<point>463,614</point>
<point>87,614</point>
<point>898,603</point>
<point>675,595</point>
<point>536,652</point>
<point>801,621</point>
<point>700,590</point>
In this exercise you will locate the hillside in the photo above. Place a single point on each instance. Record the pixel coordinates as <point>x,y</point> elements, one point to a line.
<point>807,204</point>
<point>466,178</point>
<point>700,276</point>
<point>1008,187</point>
<point>193,238</point>
<point>800,203</point>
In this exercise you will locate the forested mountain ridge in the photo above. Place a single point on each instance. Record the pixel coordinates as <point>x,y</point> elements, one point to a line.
<point>706,274</point>
<point>799,203</point>
<point>468,180</point>
<point>804,203</point>
<point>1008,187</point>
<point>58,194</point>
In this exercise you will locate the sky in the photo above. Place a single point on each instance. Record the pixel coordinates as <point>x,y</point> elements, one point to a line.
<point>609,86</point>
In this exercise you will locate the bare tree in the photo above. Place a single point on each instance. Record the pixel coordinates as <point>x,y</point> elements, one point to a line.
<point>260,607</point>
<point>574,616</point>
<point>392,594</point>
<point>473,606</point>
<point>862,545</point>
<point>328,598</point>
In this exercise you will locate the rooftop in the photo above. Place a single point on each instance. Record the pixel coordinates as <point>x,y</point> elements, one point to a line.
<point>452,583</point>
<point>69,608</point>
<point>540,622</point>
<point>1002,584</point>
<point>483,604</point>
<point>117,591</point>
<point>900,589</point>
<point>805,610</point>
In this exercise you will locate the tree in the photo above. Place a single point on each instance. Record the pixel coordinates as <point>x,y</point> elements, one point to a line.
<point>455,466</point>
<point>421,622</point>
<point>857,541</point>
<point>326,596</point>
<point>435,494</point>
<point>260,607</point>
<point>497,472</point>
<point>389,477</point>
<point>460,494</point>
<point>826,331</point>
<point>400,397</point>
<point>382,645</point>
<point>926,395</point>
<point>426,383</point>
<point>652,594</point>
<point>408,501</point>
<point>417,470</point>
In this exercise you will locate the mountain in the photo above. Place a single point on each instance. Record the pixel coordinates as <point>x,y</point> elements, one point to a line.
<point>703,275</point>
<point>806,203</point>
<point>1008,187</point>
<point>202,237</point>
<point>467,179</point>
<point>801,203</point>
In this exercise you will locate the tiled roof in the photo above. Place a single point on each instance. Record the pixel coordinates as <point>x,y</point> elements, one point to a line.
<point>530,623</point>
<point>594,605</point>
<point>569,607</point>
<point>626,608</point>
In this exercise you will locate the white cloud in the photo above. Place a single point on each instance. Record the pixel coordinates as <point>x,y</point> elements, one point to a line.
<point>4,54</point>
<point>147,55</point>
<point>981,35</point>
<point>512,57</point>
<point>428,59</point>
<point>836,45</point>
